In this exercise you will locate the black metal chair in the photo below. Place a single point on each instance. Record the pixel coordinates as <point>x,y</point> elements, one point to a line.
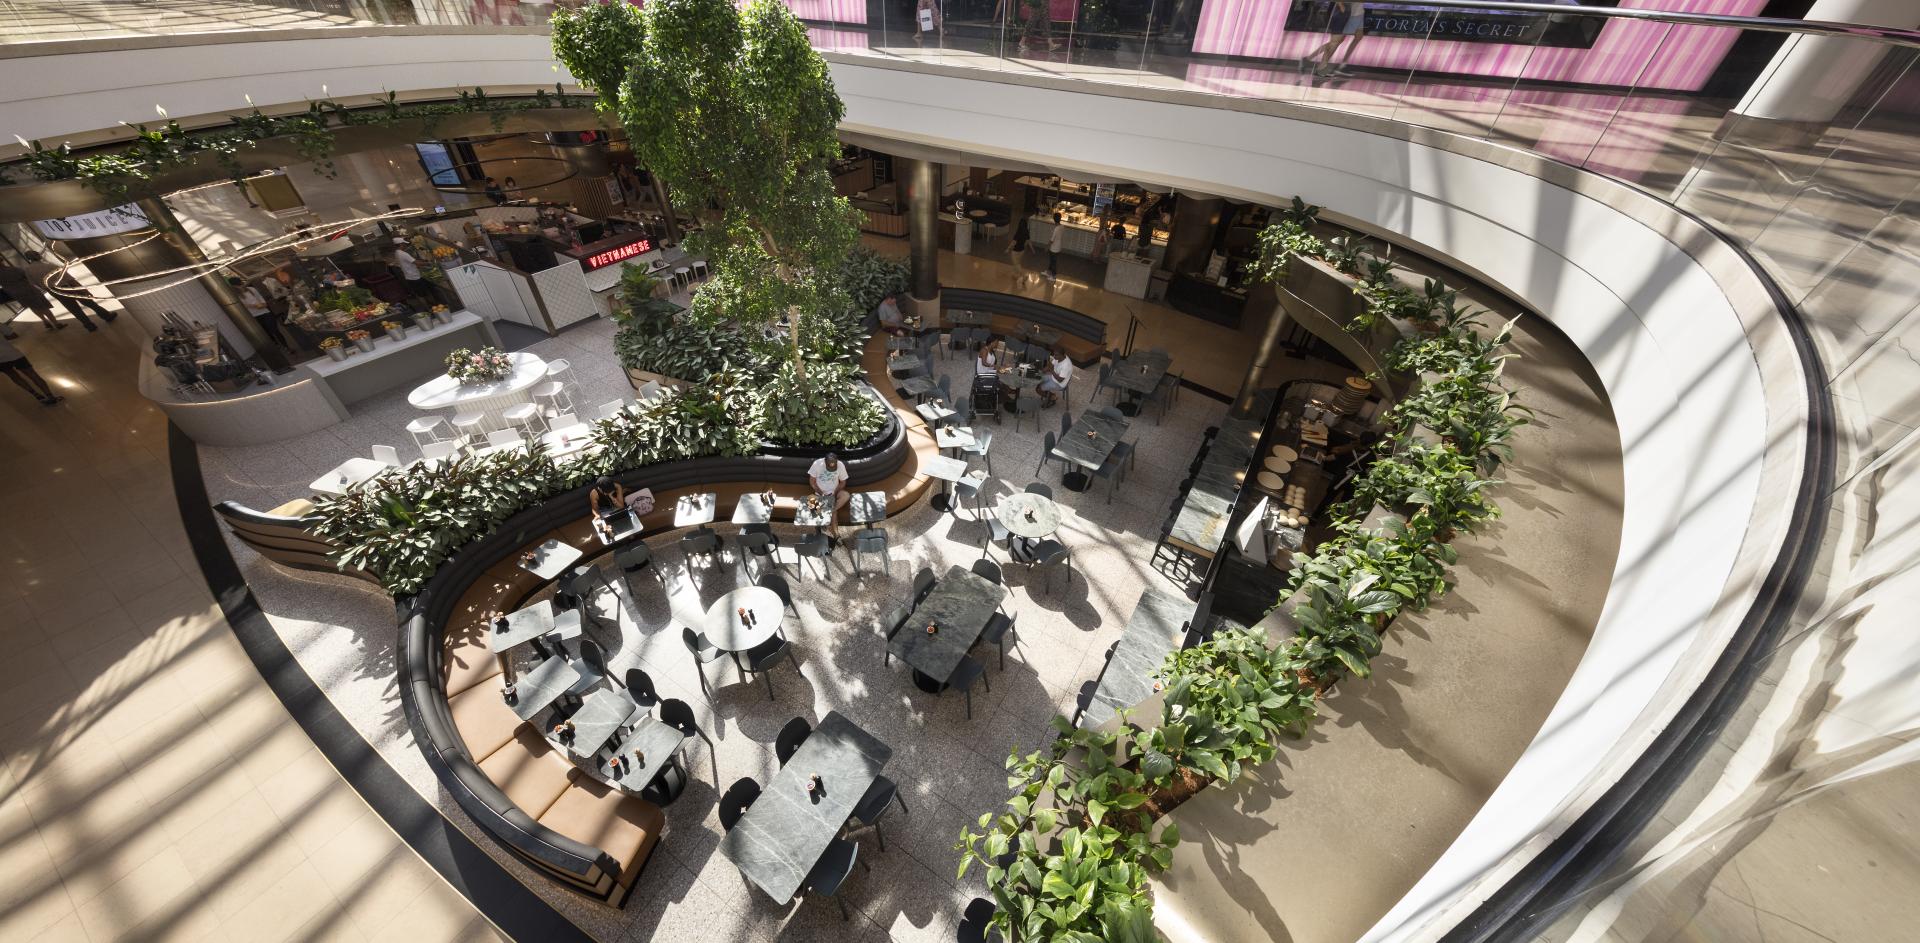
<point>871,540</point>
<point>890,626</point>
<point>987,570</point>
<point>831,871</point>
<point>581,586</point>
<point>1049,554</point>
<point>640,688</point>
<point>1000,628</point>
<point>923,584</point>
<point>1040,488</point>
<point>763,658</point>
<point>778,584</point>
<point>982,446</point>
<point>873,805</point>
<point>704,653</point>
<point>1025,405</point>
<point>678,714</point>
<point>963,677</point>
<point>635,558</point>
<point>1066,423</point>
<point>815,547</point>
<point>1165,395</point>
<point>735,802</point>
<point>667,786</point>
<point>592,665</point>
<point>790,738</point>
<point>700,544</point>
<point>1112,412</point>
<point>761,545</point>
<point>1047,444</point>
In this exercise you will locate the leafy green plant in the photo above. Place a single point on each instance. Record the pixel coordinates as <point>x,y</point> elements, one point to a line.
<point>1227,699</point>
<point>344,299</point>
<point>640,298</point>
<point>1345,253</point>
<point>1280,243</point>
<point>830,410</point>
<point>1442,484</point>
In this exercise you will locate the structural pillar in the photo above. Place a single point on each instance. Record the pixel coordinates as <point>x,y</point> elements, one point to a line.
<point>181,243</point>
<point>1813,78</point>
<point>1263,297</point>
<point>1190,232</point>
<point>921,179</point>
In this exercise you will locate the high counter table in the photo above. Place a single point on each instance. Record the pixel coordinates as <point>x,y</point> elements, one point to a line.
<point>313,395</point>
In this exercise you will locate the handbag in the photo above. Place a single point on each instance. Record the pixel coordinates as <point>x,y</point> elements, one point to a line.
<point>926,21</point>
<point>641,501</point>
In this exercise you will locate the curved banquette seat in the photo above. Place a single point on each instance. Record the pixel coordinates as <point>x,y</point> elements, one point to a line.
<point>1083,336</point>
<point>282,535</point>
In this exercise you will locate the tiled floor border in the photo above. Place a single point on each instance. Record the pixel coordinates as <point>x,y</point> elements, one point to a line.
<point>496,894</point>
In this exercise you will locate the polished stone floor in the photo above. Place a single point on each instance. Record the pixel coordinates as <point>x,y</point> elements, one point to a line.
<point>153,788</point>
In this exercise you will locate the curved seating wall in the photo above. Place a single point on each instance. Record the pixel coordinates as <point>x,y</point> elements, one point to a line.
<point>1019,311</point>
<point>424,617</point>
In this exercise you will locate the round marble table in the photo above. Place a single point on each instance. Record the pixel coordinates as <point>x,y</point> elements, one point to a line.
<point>444,392</point>
<point>728,633</point>
<point>1013,511</point>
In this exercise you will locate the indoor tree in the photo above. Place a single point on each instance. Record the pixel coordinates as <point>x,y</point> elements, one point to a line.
<point>736,114</point>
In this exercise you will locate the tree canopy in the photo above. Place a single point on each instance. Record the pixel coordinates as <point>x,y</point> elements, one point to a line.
<point>735,112</point>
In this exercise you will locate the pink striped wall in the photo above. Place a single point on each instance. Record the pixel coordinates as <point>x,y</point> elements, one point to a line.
<point>830,11</point>
<point>1649,55</point>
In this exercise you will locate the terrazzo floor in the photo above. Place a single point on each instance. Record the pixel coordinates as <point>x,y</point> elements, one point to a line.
<point>949,767</point>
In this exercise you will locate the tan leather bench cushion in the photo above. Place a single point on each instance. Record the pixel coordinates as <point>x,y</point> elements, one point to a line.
<point>298,507</point>
<point>484,721</point>
<point>467,661</point>
<point>528,770</point>
<point>625,827</point>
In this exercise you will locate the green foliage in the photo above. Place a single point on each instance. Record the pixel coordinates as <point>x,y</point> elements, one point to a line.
<point>344,299</point>
<point>1280,242</point>
<point>733,109</point>
<point>402,524</point>
<point>125,171</point>
<point>1227,700</point>
<point>867,277</point>
<point>641,298</point>
<point>830,409</point>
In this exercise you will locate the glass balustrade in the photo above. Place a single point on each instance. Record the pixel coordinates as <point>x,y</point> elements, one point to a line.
<point>1802,149</point>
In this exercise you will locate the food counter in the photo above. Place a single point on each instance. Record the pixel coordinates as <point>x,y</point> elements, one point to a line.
<point>1189,294</point>
<point>1082,237</point>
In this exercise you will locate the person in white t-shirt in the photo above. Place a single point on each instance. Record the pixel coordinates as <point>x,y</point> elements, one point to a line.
<point>828,478</point>
<point>409,271</point>
<point>1053,247</point>
<point>1059,374</point>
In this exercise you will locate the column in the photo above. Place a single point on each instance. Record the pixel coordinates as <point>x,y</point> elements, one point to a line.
<point>1190,232</point>
<point>1262,298</point>
<point>181,244</point>
<point>921,179</point>
<point>1812,78</point>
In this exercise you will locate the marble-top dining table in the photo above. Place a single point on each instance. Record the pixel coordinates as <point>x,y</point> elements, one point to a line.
<point>786,830</point>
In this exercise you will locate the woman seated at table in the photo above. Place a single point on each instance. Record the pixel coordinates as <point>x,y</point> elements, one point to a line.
<point>1059,374</point>
<point>608,498</point>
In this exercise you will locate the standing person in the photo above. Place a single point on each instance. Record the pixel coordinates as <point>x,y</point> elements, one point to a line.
<point>409,269</point>
<point>1348,20</point>
<point>1053,247</point>
<point>1059,374</point>
<point>14,364</point>
<point>257,305</point>
<point>926,14</point>
<point>494,193</point>
<point>825,476</point>
<point>20,285</point>
<point>41,271</point>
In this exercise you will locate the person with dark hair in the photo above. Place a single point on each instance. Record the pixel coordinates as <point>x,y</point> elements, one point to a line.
<point>828,478</point>
<point>40,271</point>
<point>15,365</point>
<point>608,497</point>
<point>404,263</point>
<point>494,193</point>
<point>1053,246</point>
<point>19,284</point>
<point>1059,374</point>
<point>891,320</point>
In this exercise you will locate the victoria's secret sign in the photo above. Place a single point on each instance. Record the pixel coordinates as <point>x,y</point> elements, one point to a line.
<point>601,258</point>
<point>1451,24</point>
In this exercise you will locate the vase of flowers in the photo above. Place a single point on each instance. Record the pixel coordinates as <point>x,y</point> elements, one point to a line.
<point>334,350</point>
<point>394,329</point>
<point>361,339</point>
<point>479,366</point>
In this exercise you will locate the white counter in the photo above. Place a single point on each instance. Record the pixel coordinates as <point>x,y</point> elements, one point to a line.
<point>396,363</point>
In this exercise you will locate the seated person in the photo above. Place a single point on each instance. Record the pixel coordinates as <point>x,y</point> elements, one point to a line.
<point>608,498</point>
<point>891,320</point>
<point>989,367</point>
<point>828,478</point>
<point>1059,374</point>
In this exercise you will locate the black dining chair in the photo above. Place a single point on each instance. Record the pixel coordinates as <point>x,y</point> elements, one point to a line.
<point>763,546</point>
<point>634,559</point>
<point>982,447</point>
<point>963,677</point>
<point>763,658</point>
<point>1047,444</point>
<point>1051,554</point>
<point>1040,488</point>
<point>975,921</point>
<point>1000,628</point>
<point>1066,422</point>
<point>678,714</point>
<point>831,871</point>
<point>868,540</point>
<point>778,584</point>
<point>704,544</point>
<point>592,665</point>
<point>987,570</point>
<point>667,786</point>
<point>581,586</point>
<point>815,547</point>
<point>735,802</point>
<point>922,584</point>
<point>1112,412</point>
<point>640,688</point>
<point>873,805</point>
<point>890,626</point>
<point>704,653</point>
<point>791,736</point>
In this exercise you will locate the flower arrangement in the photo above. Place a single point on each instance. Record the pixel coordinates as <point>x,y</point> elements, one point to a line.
<point>479,366</point>
<point>329,343</point>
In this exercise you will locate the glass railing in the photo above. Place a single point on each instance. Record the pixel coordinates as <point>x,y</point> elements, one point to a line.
<point>1800,143</point>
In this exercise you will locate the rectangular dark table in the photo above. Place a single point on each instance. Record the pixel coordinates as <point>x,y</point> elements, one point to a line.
<point>904,362</point>
<point>656,742</point>
<point>1139,374</point>
<point>1088,453</point>
<point>1201,525</point>
<point>621,526</point>
<point>960,604</point>
<point>784,833</point>
<point>970,318</point>
<point>919,386</point>
<point>539,688</point>
<point>600,716</point>
<point>1157,627</point>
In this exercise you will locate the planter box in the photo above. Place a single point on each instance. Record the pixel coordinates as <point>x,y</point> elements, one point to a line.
<point>639,378</point>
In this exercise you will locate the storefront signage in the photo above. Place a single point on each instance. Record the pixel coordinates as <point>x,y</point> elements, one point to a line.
<point>600,260</point>
<point>126,217</point>
<point>1452,24</point>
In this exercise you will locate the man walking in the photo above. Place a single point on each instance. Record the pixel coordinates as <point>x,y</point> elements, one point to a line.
<point>20,285</point>
<point>41,271</point>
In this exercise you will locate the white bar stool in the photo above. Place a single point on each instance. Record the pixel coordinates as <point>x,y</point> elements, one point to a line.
<point>700,270</point>
<point>427,430</point>
<point>553,396</point>
<point>469,427</point>
<point>557,369</point>
<point>527,418</point>
<point>682,277</point>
